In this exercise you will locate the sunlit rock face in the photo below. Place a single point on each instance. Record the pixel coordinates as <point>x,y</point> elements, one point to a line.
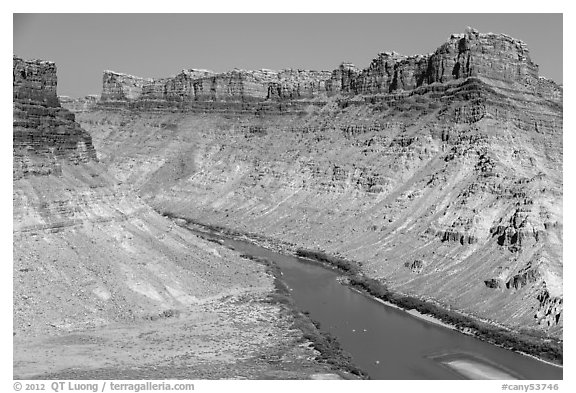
<point>441,173</point>
<point>43,131</point>
<point>87,250</point>
<point>193,85</point>
<point>494,57</point>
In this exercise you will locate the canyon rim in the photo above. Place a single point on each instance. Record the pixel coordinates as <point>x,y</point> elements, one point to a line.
<point>433,181</point>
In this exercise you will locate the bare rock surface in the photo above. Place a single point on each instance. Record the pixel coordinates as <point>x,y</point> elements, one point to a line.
<point>496,58</point>
<point>44,132</point>
<point>105,287</point>
<point>453,158</point>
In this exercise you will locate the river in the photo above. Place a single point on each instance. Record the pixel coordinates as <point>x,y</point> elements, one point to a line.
<point>389,343</point>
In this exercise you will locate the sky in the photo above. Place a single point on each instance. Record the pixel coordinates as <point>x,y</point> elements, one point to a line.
<point>160,45</point>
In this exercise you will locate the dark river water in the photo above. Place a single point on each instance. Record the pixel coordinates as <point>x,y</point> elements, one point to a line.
<point>385,342</point>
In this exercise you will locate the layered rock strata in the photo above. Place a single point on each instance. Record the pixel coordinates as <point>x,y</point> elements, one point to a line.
<point>495,57</point>
<point>79,104</point>
<point>77,229</point>
<point>95,267</point>
<point>43,131</point>
<point>452,158</point>
<point>200,85</point>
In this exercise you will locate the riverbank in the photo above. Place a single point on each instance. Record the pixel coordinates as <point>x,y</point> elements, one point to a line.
<point>438,322</point>
<point>239,337</point>
<point>328,349</point>
<point>533,345</point>
<point>537,347</point>
<point>414,313</point>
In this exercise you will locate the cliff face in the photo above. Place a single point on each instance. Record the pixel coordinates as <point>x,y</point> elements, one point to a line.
<point>43,131</point>
<point>452,159</point>
<point>77,229</point>
<point>35,81</point>
<point>495,57</point>
<point>79,104</point>
<point>97,271</point>
<point>202,85</point>
<point>121,87</point>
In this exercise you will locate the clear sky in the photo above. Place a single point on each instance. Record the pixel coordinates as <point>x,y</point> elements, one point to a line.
<point>160,45</point>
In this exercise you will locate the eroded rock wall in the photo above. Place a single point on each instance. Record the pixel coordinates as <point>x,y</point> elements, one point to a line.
<point>440,173</point>
<point>203,85</point>
<point>43,131</point>
<point>492,56</point>
<point>35,81</point>
<point>495,57</point>
<point>122,87</point>
<point>87,250</point>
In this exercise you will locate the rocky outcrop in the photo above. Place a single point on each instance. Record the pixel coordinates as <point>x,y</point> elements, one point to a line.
<point>517,229</point>
<point>203,85</point>
<point>549,308</point>
<point>43,131</point>
<point>451,235</point>
<point>493,283</point>
<point>88,253</point>
<point>415,266</point>
<point>87,250</point>
<point>527,276</point>
<point>532,277</point>
<point>35,82</point>
<point>391,72</point>
<point>343,79</point>
<point>492,56</point>
<point>81,104</point>
<point>452,158</point>
<point>298,84</point>
<point>496,58</point>
<point>117,86</point>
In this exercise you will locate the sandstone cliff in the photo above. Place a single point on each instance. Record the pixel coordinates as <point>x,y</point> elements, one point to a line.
<point>77,229</point>
<point>43,131</point>
<point>79,104</point>
<point>106,287</point>
<point>497,58</point>
<point>452,159</point>
<point>201,85</point>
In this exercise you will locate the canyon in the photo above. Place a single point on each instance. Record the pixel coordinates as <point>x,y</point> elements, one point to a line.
<point>450,162</point>
<point>438,176</point>
<point>105,287</point>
